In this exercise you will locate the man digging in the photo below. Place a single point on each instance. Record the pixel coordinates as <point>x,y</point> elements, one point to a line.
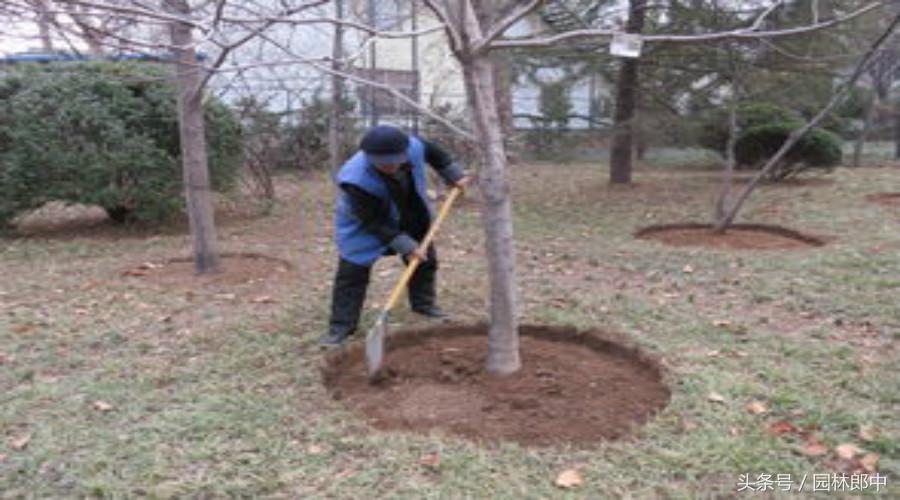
<point>382,209</point>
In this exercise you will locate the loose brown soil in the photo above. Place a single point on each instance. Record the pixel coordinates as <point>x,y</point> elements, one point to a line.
<point>889,199</point>
<point>236,269</point>
<point>574,387</point>
<point>739,236</point>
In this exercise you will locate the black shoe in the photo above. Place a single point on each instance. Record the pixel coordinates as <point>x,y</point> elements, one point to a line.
<point>432,312</point>
<point>333,339</point>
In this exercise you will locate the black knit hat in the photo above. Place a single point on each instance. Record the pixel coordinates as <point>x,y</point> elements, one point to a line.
<point>385,145</point>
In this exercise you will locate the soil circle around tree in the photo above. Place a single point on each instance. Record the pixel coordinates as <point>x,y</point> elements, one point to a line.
<point>574,388</point>
<point>235,269</point>
<point>737,237</point>
<point>888,199</point>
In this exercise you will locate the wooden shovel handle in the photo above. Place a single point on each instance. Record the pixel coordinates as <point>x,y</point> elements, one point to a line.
<point>414,261</point>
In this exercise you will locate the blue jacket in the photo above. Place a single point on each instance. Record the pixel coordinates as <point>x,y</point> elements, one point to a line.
<point>354,243</point>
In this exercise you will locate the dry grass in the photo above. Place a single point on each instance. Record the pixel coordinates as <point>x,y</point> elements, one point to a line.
<point>216,392</point>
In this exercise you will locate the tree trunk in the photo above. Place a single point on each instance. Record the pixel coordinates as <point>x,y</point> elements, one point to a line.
<point>640,144</point>
<point>45,19</point>
<point>864,133</point>
<point>335,126</point>
<point>626,103</point>
<point>728,174</point>
<point>373,66</point>
<point>191,129</point>
<point>897,130</point>
<point>503,83</point>
<point>503,338</point>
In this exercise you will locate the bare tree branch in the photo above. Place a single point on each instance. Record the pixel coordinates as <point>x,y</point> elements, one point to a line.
<point>737,34</point>
<point>504,24</point>
<point>223,55</point>
<point>364,81</point>
<point>452,33</point>
<point>140,12</point>
<point>345,23</point>
<point>798,134</point>
<point>762,17</point>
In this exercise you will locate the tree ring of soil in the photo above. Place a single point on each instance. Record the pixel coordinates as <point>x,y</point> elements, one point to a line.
<point>235,269</point>
<point>889,199</point>
<point>738,236</point>
<point>574,388</point>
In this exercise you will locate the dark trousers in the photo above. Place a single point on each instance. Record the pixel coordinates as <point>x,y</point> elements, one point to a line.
<point>351,281</point>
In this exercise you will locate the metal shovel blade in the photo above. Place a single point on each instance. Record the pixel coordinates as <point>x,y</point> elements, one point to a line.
<point>375,345</point>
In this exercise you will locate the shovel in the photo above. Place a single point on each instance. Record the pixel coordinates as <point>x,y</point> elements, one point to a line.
<point>375,336</point>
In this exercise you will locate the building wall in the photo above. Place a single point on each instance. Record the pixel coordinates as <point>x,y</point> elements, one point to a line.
<point>441,82</point>
<point>440,75</point>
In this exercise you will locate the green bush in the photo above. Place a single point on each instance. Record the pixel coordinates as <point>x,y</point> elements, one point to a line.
<point>817,149</point>
<point>713,132</point>
<point>103,134</point>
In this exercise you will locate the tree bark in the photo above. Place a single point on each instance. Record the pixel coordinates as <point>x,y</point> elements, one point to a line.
<point>626,103</point>
<point>336,124</point>
<point>728,174</point>
<point>864,133</point>
<point>45,19</point>
<point>496,213</point>
<point>503,84</point>
<point>191,127</point>
<point>897,130</point>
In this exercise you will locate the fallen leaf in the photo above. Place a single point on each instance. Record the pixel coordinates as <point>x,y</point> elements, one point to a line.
<point>21,442</point>
<point>225,296</point>
<point>722,323</point>
<point>344,474</point>
<point>688,269</point>
<point>814,450</point>
<point>149,265</point>
<point>870,462</point>
<point>23,328</point>
<point>813,447</point>
<point>569,478</point>
<point>263,299</point>
<point>88,285</point>
<point>782,427</point>
<point>715,397</point>
<point>314,449</point>
<point>868,432</point>
<point>847,451</point>
<point>756,407</point>
<point>134,272</point>
<point>430,460</point>
<point>102,406</point>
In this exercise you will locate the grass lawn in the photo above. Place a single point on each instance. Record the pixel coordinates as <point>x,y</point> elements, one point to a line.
<point>113,384</point>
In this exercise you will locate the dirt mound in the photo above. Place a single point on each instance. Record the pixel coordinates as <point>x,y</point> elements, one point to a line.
<point>574,387</point>
<point>889,199</point>
<point>739,236</point>
<point>236,269</point>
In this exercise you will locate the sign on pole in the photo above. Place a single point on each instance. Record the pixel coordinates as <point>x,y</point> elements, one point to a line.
<point>626,45</point>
